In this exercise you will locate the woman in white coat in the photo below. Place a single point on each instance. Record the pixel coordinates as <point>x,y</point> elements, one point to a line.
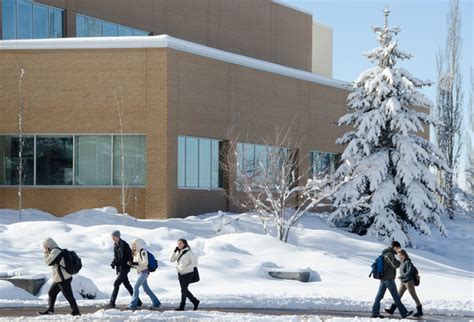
<point>140,263</point>
<point>186,262</point>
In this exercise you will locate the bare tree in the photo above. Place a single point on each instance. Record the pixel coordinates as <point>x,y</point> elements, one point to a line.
<point>271,185</point>
<point>21,143</point>
<point>470,148</point>
<point>123,179</point>
<point>449,104</point>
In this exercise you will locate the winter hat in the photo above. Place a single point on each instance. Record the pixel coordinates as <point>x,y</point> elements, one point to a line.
<point>116,233</point>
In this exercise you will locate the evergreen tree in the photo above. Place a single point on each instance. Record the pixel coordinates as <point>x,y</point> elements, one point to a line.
<point>386,162</point>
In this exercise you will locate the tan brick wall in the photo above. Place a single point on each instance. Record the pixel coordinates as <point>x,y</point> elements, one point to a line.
<point>63,201</point>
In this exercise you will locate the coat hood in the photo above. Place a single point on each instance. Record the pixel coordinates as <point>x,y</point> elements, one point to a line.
<point>50,243</point>
<point>139,244</point>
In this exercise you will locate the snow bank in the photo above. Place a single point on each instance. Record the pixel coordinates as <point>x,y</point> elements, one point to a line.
<point>234,263</point>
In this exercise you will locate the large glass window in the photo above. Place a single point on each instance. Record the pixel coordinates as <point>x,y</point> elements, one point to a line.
<point>323,162</point>
<point>253,158</point>
<point>93,160</point>
<point>92,27</point>
<point>24,19</point>
<point>10,160</point>
<point>54,158</point>
<point>133,152</point>
<point>198,163</point>
<point>80,160</point>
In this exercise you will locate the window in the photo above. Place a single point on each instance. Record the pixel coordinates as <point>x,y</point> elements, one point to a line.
<point>93,160</point>
<point>92,27</point>
<point>198,163</point>
<point>134,157</point>
<point>10,160</point>
<point>323,162</point>
<point>24,19</point>
<point>252,157</point>
<point>54,157</point>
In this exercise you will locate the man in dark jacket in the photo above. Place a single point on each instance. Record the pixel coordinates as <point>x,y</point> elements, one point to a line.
<point>388,282</point>
<point>122,255</point>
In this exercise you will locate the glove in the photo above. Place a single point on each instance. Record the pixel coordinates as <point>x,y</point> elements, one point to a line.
<point>176,249</point>
<point>112,265</point>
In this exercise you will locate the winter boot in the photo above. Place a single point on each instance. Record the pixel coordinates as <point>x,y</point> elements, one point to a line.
<point>391,310</point>
<point>47,312</point>
<point>110,306</point>
<point>407,314</point>
<point>419,311</point>
<point>196,304</point>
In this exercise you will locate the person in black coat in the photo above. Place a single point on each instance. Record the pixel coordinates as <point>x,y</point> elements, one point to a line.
<point>122,255</point>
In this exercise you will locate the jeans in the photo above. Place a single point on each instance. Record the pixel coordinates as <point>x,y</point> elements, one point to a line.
<point>66,289</point>
<point>122,278</point>
<point>142,281</point>
<point>392,287</point>
<point>184,281</point>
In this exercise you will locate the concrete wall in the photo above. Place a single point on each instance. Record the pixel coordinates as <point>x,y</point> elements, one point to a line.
<point>257,28</point>
<point>322,50</point>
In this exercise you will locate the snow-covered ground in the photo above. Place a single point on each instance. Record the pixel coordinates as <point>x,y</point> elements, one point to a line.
<point>235,262</point>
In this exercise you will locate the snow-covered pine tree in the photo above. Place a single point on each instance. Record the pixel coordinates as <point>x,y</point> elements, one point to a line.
<point>386,163</point>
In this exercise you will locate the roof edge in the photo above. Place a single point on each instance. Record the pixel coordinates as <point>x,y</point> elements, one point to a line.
<point>165,41</point>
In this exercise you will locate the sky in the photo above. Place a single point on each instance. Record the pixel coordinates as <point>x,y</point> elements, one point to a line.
<point>423,34</point>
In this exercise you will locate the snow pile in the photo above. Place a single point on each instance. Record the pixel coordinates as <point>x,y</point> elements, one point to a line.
<point>234,266</point>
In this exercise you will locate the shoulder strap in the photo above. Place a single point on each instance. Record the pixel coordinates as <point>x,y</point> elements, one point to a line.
<point>182,254</point>
<point>385,256</point>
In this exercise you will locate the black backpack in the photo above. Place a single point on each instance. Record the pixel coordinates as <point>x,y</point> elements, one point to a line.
<point>417,276</point>
<point>72,261</point>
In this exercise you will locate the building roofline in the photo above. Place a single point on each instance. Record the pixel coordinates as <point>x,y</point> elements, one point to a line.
<point>283,3</point>
<point>165,41</point>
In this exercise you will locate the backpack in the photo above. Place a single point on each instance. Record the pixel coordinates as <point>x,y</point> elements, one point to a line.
<point>152,262</point>
<point>416,275</point>
<point>378,268</point>
<point>72,261</point>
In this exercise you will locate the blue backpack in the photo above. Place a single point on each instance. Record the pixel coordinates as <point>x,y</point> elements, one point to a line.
<point>378,268</point>
<point>152,262</point>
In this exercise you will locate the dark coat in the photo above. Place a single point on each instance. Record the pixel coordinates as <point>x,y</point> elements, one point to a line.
<point>407,271</point>
<point>122,255</point>
<point>390,264</point>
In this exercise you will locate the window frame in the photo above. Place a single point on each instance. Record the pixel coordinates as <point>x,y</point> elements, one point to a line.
<point>73,185</point>
<point>103,22</point>
<point>311,162</point>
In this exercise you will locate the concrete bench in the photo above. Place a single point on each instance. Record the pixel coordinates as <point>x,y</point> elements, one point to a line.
<point>297,276</point>
<point>31,285</point>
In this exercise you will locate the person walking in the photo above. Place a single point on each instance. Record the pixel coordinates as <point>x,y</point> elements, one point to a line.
<point>122,255</point>
<point>388,282</point>
<point>140,263</point>
<point>186,264</point>
<point>407,278</point>
<point>62,280</point>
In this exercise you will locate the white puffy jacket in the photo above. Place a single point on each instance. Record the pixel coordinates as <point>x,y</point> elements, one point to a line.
<point>186,263</point>
<point>50,258</point>
<point>140,257</point>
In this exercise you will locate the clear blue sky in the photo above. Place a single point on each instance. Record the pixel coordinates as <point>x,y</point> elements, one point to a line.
<point>423,33</point>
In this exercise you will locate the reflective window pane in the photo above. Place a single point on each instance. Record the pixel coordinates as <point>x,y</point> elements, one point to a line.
<point>54,158</point>
<point>25,19</point>
<point>8,19</point>
<point>110,30</point>
<point>139,33</point>
<point>204,163</point>
<point>93,160</point>
<point>323,162</point>
<point>130,160</point>
<point>40,21</point>
<point>55,23</point>
<point>181,161</point>
<point>95,27</point>
<point>10,160</point>
<point>124,31</point>
<point>81,26</point>
<point>216,174</point>
<point>192,153</point>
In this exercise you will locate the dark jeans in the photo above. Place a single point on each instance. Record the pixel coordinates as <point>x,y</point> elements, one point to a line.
<point>184,281</point>
<point>392,288</point>
<point>66,289</point>
<point>122,278</point>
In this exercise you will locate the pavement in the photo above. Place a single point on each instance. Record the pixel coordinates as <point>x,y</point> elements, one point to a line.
<point>323,315</point>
